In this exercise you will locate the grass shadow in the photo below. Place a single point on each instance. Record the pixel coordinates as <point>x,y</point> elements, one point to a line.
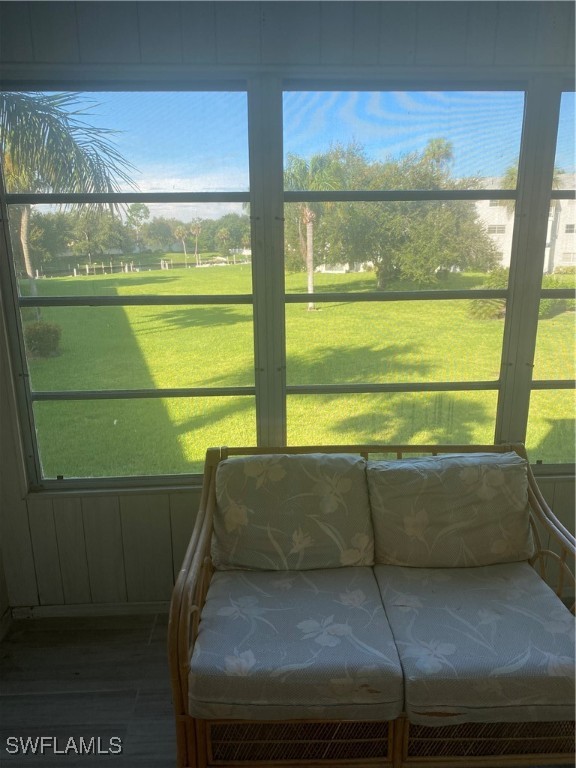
<point>357,364</point>
<point>188,318</point>
<point>551,449</point>
<point>440,417</point>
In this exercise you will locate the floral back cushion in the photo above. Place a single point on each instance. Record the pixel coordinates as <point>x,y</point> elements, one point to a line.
<point>292,512</point>
<point>449,511</point>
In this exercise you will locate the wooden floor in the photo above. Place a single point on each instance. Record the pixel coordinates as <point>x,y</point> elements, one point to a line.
<point>97,677</point>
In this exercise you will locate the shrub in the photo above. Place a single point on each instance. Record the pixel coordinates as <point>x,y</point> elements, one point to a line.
<point>42,339</point>
<point>488,309</point>
<point>553,307</point>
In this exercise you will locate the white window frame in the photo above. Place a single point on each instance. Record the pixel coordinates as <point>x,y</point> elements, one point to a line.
<point>267,197</point>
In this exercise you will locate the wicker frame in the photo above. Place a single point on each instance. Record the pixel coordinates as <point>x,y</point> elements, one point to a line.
<point>204,743</point>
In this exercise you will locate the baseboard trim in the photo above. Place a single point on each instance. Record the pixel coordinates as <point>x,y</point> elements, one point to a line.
<point>5,623</point>
<point>88,609</point>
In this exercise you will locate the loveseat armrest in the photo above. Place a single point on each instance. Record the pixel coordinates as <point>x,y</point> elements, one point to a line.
<point>188,598</point>
<point>555,546</point>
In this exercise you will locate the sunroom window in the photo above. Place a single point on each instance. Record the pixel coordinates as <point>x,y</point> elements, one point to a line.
<point>396,294</point>
<point>287,261</point>
<point>135,312</point>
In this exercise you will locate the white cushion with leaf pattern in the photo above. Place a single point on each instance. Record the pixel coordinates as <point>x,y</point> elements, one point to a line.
<point>291,512</point>
<point>449,511</point>
<point>487,644</point>
<point>293,645</point>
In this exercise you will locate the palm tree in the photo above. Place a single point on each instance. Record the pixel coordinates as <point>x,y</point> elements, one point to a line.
<point>195,229</point>
<point>223,240</point>
<point>182,233</point>
<point>510,181</point>
<point>47,146</point>
<point>321,172</point>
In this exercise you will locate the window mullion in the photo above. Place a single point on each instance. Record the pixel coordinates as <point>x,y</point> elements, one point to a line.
<point>535,177</point>
<point>16,372</point>
<point>266,212</point>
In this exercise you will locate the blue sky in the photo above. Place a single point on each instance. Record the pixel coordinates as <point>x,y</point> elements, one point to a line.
<point>198,141</point>
<point>566,144</point>
<point>484,128</point>
<point>179,142</point>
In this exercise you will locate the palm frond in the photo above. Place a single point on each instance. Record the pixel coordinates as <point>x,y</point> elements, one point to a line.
<point>53,148</point>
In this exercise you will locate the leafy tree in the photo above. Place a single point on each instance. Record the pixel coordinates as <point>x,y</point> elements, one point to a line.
<point>417,241</point>
<point>49,236</point>
<point>137,215</point>
<point>95,233</point>
<point>48,146</point>
<point>158,234</point>
<point>237,226</point>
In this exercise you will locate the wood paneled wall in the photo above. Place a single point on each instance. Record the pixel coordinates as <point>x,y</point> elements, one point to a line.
<point>109,549</point>
<point>4,601</point>
<point>121,550</point>
<point>342,34</point>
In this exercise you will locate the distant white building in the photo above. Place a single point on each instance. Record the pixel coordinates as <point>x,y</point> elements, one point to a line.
<point>498,218</point>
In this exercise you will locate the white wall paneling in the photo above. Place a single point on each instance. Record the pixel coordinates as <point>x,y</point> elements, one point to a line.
<point>438,42</point>
<point>54,35</point>
<point>162,38</point>
<point>108,33</point>
<point>336,42</point>
<point>288,37</point>
<point>499,34</point>
<point>104,549</point>
<point>238,38</point>
<point>45,547</point>
<point>5,613</point>
<point>198,32</point>
<point>147,544</point>
<point>71,542</point>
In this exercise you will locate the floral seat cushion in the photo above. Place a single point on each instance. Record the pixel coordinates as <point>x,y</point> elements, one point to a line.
<point>290,512</point>
<point>486,644</point>
<point>293,645</point>
<point>452,510</point>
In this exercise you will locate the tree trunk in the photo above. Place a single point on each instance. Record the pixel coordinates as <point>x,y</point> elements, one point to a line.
<point>310,254</point>
<point>25,243</point>
<point>24,240</point>
<point>385,274</point>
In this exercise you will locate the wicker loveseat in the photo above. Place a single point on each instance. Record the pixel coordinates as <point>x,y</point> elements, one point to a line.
<point>373,605</point>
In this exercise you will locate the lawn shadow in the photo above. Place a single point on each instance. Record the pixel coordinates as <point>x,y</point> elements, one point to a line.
<point>552,447</point>
<point>358,364</point>
<point>227,414</point>
<point>191,317</point>
<point>442,416</point>
<point>104,437</point>
<point>326,285</point>
<point>92,285</point>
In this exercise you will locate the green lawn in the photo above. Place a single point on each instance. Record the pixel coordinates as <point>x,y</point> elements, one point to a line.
<point>207,346</point>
